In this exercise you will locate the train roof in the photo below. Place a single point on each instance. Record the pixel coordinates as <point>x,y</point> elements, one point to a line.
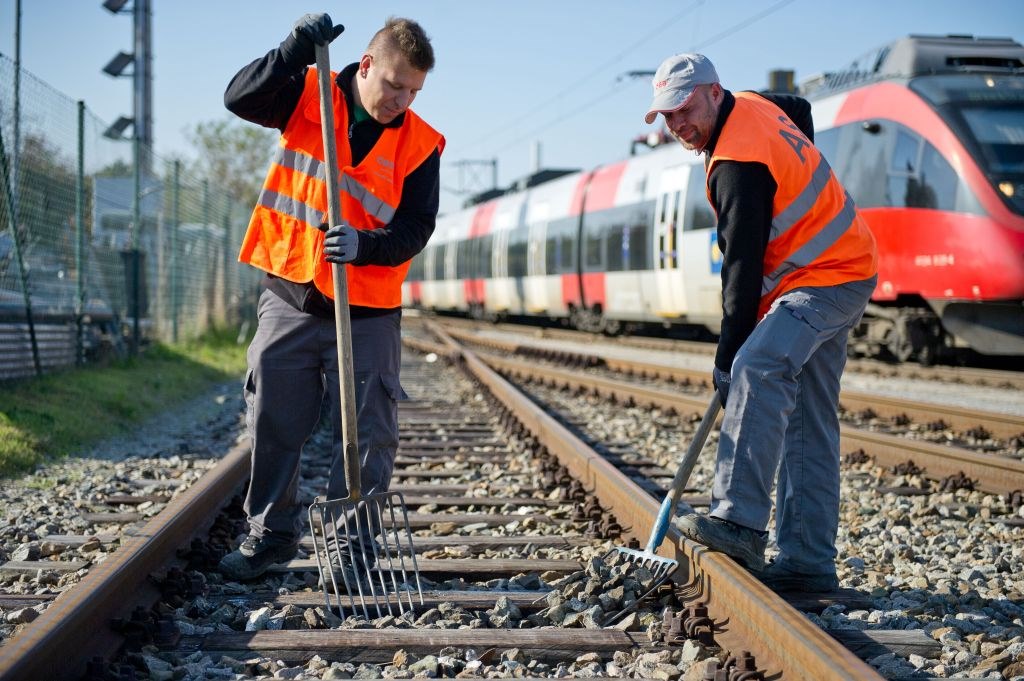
<point>918,55</point>
<point>532,180</point>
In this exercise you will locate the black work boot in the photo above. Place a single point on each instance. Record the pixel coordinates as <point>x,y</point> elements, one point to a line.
<point>255,555</point>
<point>742,544</point>
<point>778,578</point>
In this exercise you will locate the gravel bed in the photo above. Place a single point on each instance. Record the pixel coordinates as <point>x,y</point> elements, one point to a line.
<point>163,456</point>
<point>935,432</point>
<point>160,458</point>
<point>939,562</point>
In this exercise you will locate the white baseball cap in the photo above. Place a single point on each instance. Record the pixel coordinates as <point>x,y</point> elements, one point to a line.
<point>676,79</point>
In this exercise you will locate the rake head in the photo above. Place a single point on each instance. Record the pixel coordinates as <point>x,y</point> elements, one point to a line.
<point>365,554</point>
<point>659,568</point>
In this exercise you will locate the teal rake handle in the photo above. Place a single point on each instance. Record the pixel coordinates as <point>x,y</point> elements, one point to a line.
<point>683,474</point>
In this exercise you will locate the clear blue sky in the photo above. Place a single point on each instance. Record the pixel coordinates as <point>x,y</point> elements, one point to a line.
<point>508,74</point>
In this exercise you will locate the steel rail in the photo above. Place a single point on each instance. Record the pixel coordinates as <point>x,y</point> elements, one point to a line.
<point>997,424</point>
<point>994,474</point>
<point>751,617</point>
<point>52,646</point>
<point>948,374</point>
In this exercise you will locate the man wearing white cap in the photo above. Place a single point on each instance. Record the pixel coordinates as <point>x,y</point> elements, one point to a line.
<point>799,266</point>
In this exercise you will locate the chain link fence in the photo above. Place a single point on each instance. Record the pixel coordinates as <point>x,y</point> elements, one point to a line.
<point>98,257</point>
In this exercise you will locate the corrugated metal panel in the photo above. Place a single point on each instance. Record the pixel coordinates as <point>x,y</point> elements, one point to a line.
<point>56,343</point>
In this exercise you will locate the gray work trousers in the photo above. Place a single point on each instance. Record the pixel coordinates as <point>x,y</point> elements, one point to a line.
<point>293,368</point>
<point>781,416</point>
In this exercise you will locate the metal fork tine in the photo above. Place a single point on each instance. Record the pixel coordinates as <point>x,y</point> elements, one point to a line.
<point>342,517</point>
<point>412,551</point>
<point>374,521</point>
<point>386,553</point>
<point>363,521</point>
<point>344,524</point>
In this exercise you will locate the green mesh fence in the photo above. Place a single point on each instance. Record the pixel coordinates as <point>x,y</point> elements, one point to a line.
<point>96,259</point>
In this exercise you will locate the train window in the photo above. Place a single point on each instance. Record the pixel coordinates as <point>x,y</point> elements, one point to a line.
<point>1000,134</point>
<point>905,153</point>
<point>594,246</point>
<point>551,252</point>
<point>461,249</point>
<point>483,256</point>
<point>415,269</point>
<point>639,242</point>
<point>517,240</point>
<point>860,163</point>
<point>559,246</point>
<point>699,214</point>
<point>439,263</point>
<point>618,245</point>
<point>568,250</point>
<point>939,179</point>
<point>905,188</point>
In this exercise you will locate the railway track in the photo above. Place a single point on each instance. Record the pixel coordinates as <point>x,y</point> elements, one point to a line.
<point>502,495</point>
<point>958,375</point>
<point>974,428</point>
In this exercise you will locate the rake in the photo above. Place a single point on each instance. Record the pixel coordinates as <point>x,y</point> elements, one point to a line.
<point>659,566</point>
<point>348,555</point>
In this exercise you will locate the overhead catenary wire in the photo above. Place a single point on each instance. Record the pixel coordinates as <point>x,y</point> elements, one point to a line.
<point>614,87</point>
<point>579,82</point>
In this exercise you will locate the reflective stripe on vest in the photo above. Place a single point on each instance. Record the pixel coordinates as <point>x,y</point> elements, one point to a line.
<point>314,168</point>
<point>812,250</point>
<point>816,238</point>
<point>283,236</point>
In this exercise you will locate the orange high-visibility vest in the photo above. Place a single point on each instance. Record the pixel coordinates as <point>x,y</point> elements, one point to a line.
<point>284,238</point>
<point>817,238</point>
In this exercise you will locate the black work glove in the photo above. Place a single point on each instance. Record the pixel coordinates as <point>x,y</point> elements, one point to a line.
<point>341,244</point>
<point>721,380</point>
<point>309,31</point>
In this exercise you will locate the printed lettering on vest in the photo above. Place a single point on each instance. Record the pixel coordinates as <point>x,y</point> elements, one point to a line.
<point>797,141</point>
<point>816,236</point>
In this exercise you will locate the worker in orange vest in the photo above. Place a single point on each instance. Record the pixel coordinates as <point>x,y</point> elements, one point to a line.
<point>798,268</point>
<point>389,161</point>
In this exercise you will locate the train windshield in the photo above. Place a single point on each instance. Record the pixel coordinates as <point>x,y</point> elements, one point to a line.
<point>987,113</point>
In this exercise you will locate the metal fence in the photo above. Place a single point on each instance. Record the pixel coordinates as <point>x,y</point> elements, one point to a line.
<point>97,258</point>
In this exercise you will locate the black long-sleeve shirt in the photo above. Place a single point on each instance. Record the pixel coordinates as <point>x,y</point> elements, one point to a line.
<point>266,92</point>
<point>742,193</point>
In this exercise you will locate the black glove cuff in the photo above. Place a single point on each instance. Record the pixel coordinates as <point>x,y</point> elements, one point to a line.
<point>297,51</point>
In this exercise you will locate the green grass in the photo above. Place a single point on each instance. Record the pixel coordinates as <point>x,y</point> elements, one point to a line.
<point>44,419</point>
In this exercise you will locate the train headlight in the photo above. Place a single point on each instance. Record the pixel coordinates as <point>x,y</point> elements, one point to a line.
<point>1008,189</point>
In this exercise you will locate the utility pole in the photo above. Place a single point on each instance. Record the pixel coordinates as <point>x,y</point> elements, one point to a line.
<point>141,121</point>
<point>141,61</point>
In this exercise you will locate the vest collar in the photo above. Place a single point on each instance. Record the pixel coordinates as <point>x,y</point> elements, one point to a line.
<point>728,103</point>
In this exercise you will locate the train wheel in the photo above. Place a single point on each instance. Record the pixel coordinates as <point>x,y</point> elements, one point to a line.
<point>611,327</point>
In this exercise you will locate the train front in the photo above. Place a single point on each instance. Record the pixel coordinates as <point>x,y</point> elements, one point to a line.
<point>930,145</point>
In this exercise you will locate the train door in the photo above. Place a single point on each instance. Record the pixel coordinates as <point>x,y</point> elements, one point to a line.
<point>430,292</point>
<point>536,294</point>
<point>670,297</point>
<point>451,280</point>
<point>499,297</point>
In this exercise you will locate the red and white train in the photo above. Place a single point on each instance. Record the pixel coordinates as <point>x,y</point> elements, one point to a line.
<point>927,135</point>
